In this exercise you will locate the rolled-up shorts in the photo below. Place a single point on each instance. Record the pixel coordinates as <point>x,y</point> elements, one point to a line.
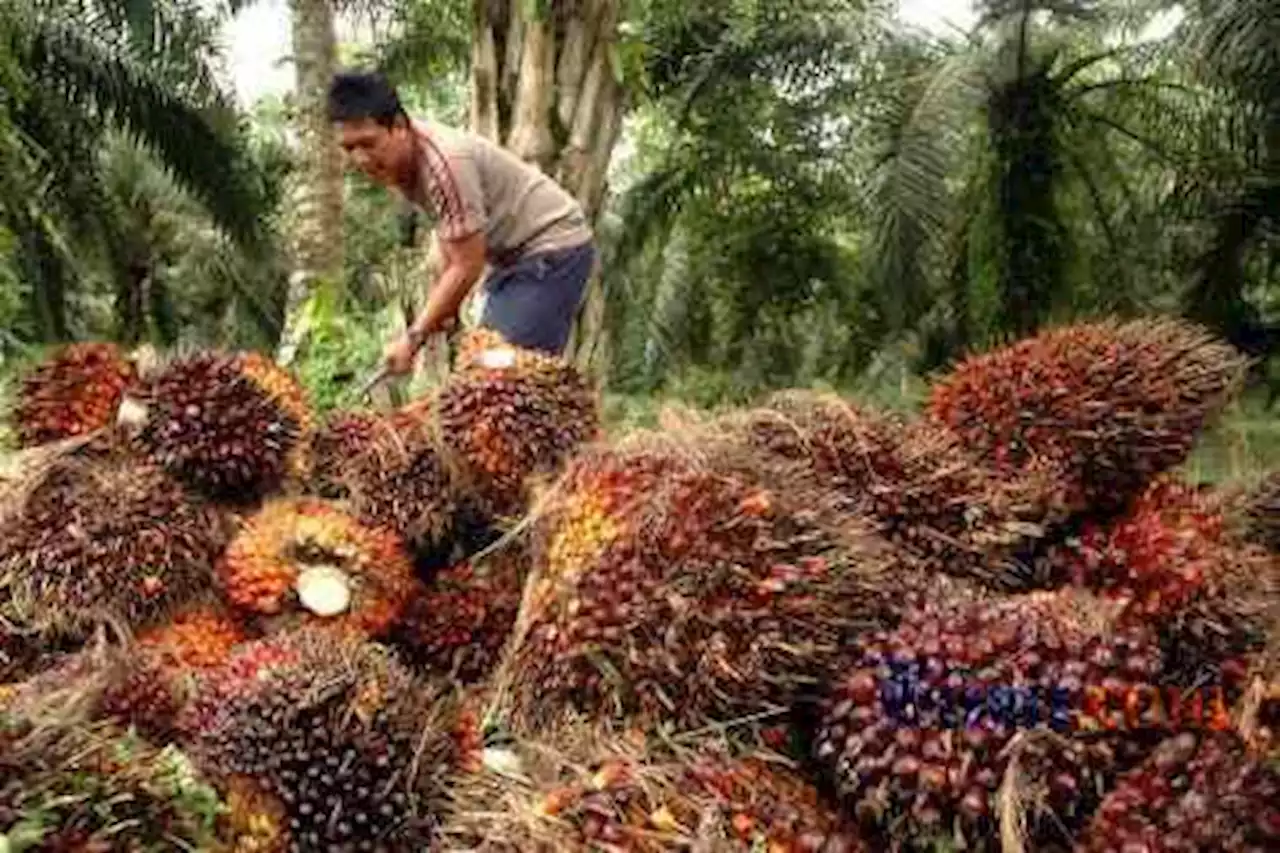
<point>532,303</point>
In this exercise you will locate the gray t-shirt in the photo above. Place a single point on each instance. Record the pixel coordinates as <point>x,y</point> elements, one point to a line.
<point>471,184</point>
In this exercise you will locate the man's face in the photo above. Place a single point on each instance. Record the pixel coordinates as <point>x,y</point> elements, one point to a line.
<point>385,154</point>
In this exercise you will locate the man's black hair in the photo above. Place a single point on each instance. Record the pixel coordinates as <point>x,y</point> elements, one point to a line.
<point>355,95</point>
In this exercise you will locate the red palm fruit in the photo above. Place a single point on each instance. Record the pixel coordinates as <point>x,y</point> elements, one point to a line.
<point>511,417</point>
<point>923,488</point>
<point>284,388</point>
<point>196,638</point>
<point>90,788</point>
<point>1169,560</point>
<point>917,735</point>
<point>1110,405</point>
<point>117,538</point>
<point>460,622</point>
<point>336,731</point>
<point>150,689</point>
<point>468,736</point>
<point>668,590</point>
<point>227,423</point>
<point>1198,792</point>
<point>589,791</point>
<point>74,391</point>
<point>395,477</point>
<point>484,348</point>
<point>343,436</point>
<point>308,560</point>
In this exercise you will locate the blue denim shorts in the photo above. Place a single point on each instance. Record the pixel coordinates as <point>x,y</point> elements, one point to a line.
<point>533,302</point>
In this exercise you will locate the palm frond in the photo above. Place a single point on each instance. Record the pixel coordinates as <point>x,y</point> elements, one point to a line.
<point>1237,43</point>
<point>909,192</point>
<point>190,139</point>
<point>431,39</point>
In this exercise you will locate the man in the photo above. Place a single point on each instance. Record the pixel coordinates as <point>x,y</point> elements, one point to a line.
<point>489,206</point>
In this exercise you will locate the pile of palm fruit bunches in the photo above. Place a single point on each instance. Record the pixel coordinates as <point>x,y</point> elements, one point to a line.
<point>476,622</point>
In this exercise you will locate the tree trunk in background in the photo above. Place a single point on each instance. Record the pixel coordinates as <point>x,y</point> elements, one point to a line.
<point>544,85</point>
<point>317,213</point>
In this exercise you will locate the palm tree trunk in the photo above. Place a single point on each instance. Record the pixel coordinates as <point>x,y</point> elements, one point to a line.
<point>317,226</point>
<point>543,82</point>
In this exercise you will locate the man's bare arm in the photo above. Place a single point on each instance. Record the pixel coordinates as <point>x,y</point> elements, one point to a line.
<point>463,262</point>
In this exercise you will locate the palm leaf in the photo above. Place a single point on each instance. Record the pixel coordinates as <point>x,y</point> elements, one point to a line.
<point>909,194</point>
<point>432,38</point>
<point>190,139</point>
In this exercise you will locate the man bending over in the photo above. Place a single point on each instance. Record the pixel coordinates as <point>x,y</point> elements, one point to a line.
<point>490,207</point>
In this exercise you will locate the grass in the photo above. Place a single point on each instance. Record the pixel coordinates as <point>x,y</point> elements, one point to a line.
<point>1241,448</point>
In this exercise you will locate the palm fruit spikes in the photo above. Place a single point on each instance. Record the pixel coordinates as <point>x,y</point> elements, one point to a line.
<point>73,392</point>
<point>917,736</point>
<point>117,538</point>
<point>1169,561</point>
<point>307,559</point>
<point>916,480</point>
<point>460,622</point>
<point>512,417</point>
<point>229,424</point>
<point>1110,405</point>
<point>342,437</point>
<point>336,731</point>
<point>72,787</point>
<point>199,637</point>
<point>153,683</point>
<point>1198,792</point>
<point>395,476</point>
<point>715,599</point>
<point>586,790</point>
<point>287,392</point>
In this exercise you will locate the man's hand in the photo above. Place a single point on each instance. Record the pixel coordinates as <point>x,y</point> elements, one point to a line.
<point>399,355</point>
<point>464,261</point>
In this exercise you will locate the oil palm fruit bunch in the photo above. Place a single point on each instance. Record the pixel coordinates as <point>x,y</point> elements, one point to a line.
<point>333,728</point>
<point>306,559</point>
<point>395,477</point>
<point>511,415</point>
<point>74,391</point>
<point>701,597</point>
<point>196,638</point>
<point>916,480</point>
<point>150,686</point>
<point>342,436</point>
<point>1198,792</point>
<point>1110,405</point>
<point>1170,562</point>
<point>75,787</point>
<point>461,620</point>
<point>588,791</point>
<point>482,347</point>
<point>118,538</point>
<point>232,425</point>
<point>917,736</point>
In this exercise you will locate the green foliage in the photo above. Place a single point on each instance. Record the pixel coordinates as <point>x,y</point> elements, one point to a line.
<point>733,237</point>
<point>342,354</point>
<point>86,75</point>
<point>809,196</point>
<point>81,785</point>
